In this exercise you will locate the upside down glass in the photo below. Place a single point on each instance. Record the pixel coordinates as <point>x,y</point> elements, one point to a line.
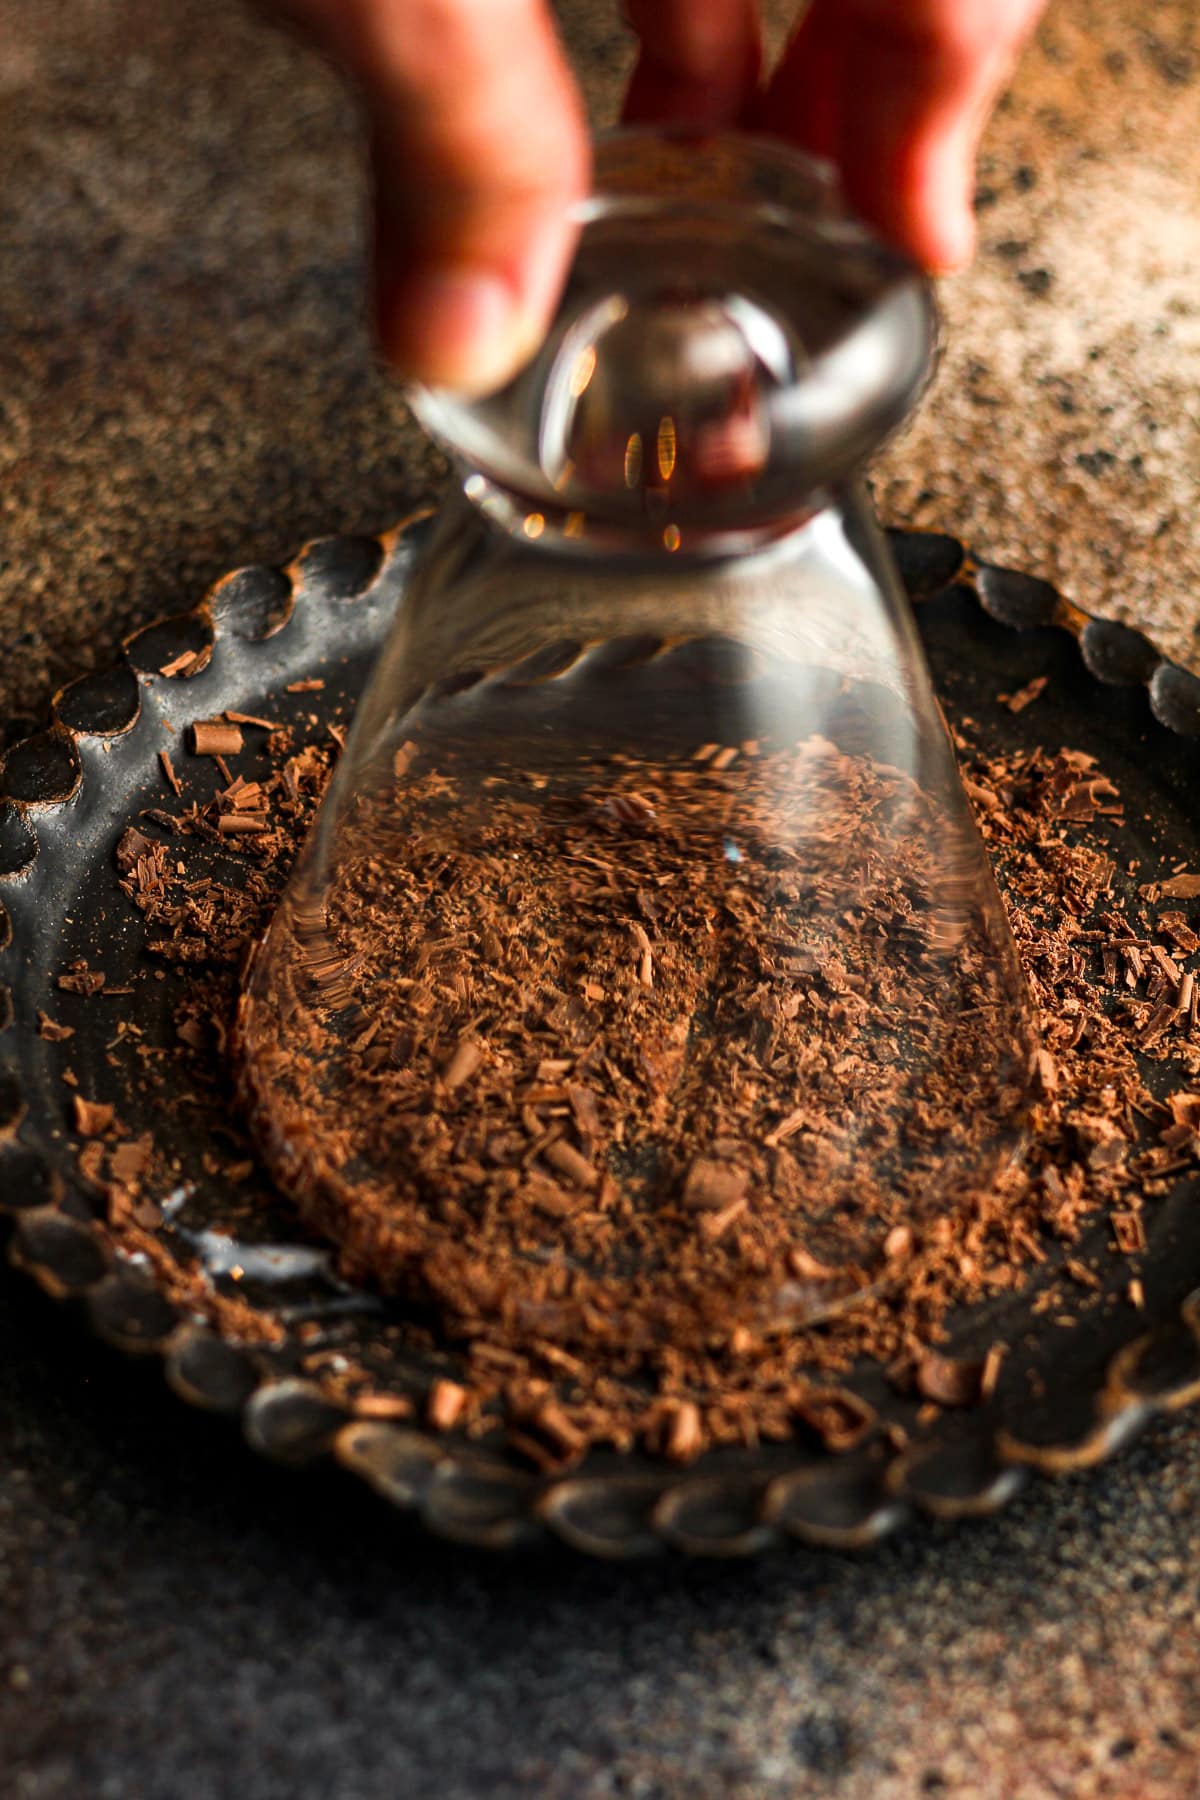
<point>644,946</point>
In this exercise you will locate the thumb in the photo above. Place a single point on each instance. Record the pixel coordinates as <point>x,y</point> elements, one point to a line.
<point>480,147</point>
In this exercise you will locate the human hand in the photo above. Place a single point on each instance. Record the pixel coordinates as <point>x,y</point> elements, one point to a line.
<point>480,142</point>
<point>896,93</point>
<point>479,147</point>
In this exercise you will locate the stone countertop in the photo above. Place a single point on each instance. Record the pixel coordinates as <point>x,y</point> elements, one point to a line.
<point>185,385</point>
<point>1063,433</point>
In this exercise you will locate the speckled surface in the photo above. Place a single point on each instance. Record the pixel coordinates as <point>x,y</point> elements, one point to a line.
<point>185,384</point>
<point>1063,434</point>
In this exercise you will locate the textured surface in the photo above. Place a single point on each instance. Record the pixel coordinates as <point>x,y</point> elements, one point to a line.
<point>182,1622</point>
<point>184,385</point>
<point>1063,434</point>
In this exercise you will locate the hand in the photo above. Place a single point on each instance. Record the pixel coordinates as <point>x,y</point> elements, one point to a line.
<point>480,141</point>
<point>479,147</point>
<point>895,92</point>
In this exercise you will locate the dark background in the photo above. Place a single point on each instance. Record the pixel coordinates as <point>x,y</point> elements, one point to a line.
<point>186,384</point>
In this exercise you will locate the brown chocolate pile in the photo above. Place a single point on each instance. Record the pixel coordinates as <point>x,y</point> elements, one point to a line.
<point>648,1062</point>
<point>1110,968</point>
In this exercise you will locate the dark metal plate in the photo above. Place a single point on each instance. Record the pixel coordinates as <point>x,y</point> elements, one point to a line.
<point>1074,1388</point>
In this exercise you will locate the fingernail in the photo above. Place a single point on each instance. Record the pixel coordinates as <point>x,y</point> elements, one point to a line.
<point>947,222</point>
<point>459,328</point>
<point>957,221</point>
<point>952,201</point>
<point>954,247</point>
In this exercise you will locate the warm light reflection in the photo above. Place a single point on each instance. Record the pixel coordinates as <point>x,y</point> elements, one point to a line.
<point>574,525</point>
<point>581,374</point>
<point>666,447</point>
<point>633,460</point>
<point>672,537</point>
<point>534,525</point>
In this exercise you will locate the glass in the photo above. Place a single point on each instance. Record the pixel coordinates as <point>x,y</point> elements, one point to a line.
<point>645,948</point>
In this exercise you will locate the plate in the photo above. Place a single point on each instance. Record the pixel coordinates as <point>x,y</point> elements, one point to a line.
<point>217,1278</point>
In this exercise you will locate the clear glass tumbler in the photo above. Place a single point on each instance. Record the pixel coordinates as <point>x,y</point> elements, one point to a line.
<point>644,972</point>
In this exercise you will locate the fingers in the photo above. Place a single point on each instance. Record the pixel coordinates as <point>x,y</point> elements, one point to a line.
<point>898,95</point>
<point>480,146</point>
<point>699,61</point>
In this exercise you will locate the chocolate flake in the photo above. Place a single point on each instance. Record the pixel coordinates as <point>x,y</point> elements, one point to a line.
<point>1016,703</point>
<point>948,1380</point>
<point>682,1432</point>
<point>188,662</point>
<point>446,1405</point>
<point>713,1185</point>
<point>383,1406</point>
<point>92,1117</point>
<point>215,737</point>
<point>989,1375</point>
<point>53,1032</point>
<point>1179,887</point>
<point>809,1268</point>
<point>569,1162</point>
<point>1185,1110</point>
<point>77,978</point>
<point>898,1243</point>
<point>241,718</point>
<point>1176,927</point>
<point>462,1065</point>
<point>128,1162</point>
<point>1129,1232</point>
